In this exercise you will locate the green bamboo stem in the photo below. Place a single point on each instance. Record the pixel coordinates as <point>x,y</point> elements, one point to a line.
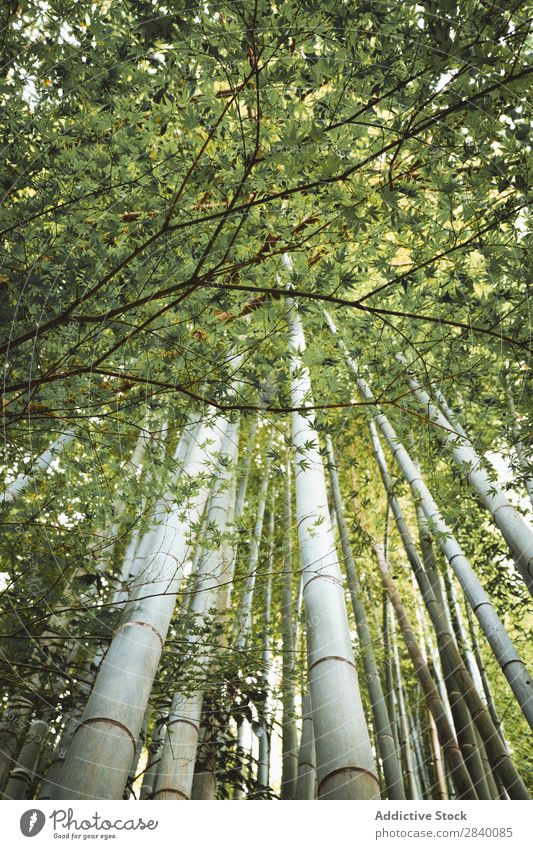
<point>103,745</point>
<point>306,778</point>
<point>387,748</point>
<point>12,727</point>
<point>178,756</point>
<point>345,762</point>
<point>289,771</point>
<point>23,773</point>
<point>154,759</point>
<point>263,764</point>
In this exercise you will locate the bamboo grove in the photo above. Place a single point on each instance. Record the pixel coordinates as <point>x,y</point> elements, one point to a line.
<point>266,431</point>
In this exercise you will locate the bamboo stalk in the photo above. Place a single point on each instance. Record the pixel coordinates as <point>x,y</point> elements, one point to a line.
<point>141,740</point>
<point>100,755</point>
<point>23,773</point>
<point>388,664</point>
<point>154,759</point>
<point>244,621</point>
<point>345,762</point>
<point>204,784</point>
<point>263,765</point>
<point>289,771</point>
<point>178,756</point>
<point>14,722</point>
<point>440,778</point>
<point>403,729</point>
<point>385,739</point>
<point>41,464</point>
<point>489,698</point>
<point>306,778</point>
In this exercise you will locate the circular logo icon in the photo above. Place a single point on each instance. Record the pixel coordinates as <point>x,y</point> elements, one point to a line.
<point>32,822</point>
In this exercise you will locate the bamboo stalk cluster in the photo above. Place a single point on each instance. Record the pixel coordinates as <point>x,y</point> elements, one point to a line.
<point>395,710</point>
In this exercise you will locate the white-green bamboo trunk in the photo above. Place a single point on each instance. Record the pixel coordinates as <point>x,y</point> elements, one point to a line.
<point>176,771</point>
<point>85,675</point>
<point>263,761</point>
<point>154,759</point>
<point>388,669</point>
<point>226,589</point>
<point>12,727</point>
<point>289,770</point>
<point>387,747</point>
<point>238,789</point>
<point>245,612</point>
<point>471,746</point>
<point>405,739</point>
<point>100,755</point>
<point>144,552</point>
<point>204,783</point>
<point>50,786</point>
<point>205,779</point>
<point>489,698</point>
<point>41,464</point>
<point>140,548</point>
<point>416,744</point>
<point>438,767</point>
<point>306,776</point>
<point>242,486</point>
<point>141,740</point>
<point>518,535</point>
<point>23,773</point>
<point>345,763</point>
<point>55,762</point>
<point>525,459</point>
<point>435,662</point>
<point>456,619</point>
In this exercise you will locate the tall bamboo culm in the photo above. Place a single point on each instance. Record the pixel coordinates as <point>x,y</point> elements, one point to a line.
<point>345,762</point>
<point>178,756</point>
<point>104,743</point>
<point>289,771</point>
<point>387,747</point>
<point>41,464</point>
